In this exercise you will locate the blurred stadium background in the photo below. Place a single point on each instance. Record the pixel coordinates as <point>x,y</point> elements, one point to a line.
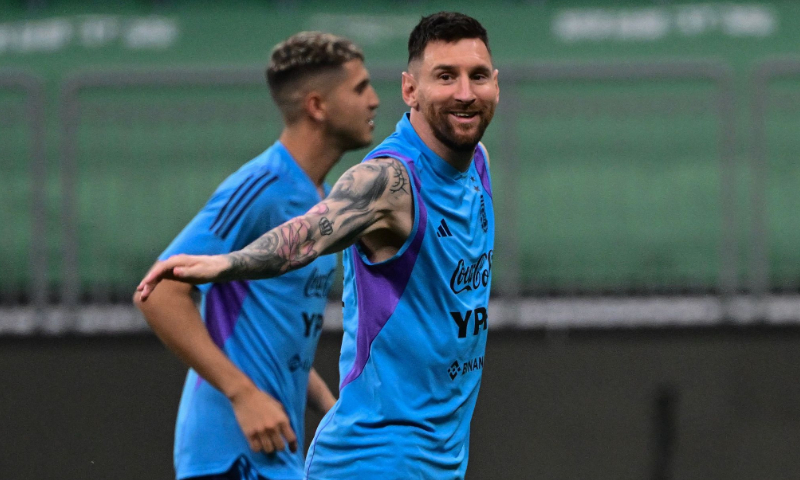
<point>646,296</point>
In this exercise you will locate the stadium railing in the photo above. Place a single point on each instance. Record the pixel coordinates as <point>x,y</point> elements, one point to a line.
<point>23,183</point>
<point>774,196</point>
<point>615,188</point>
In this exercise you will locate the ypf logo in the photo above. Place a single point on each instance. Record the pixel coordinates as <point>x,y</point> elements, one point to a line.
<point>296,363</point>
<point>455,367</point>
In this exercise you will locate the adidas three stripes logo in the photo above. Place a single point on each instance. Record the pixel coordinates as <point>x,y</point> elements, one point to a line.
<point>239,201</point>
<point>443,230</point>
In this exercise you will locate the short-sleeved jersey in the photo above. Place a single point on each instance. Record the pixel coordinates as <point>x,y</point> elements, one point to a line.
<point>415,331</point>
<point>268,328</point>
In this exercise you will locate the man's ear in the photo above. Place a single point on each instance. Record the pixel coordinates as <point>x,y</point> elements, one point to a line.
<point>314,106</point>
<point>409,89</point>
<point>497,86</point>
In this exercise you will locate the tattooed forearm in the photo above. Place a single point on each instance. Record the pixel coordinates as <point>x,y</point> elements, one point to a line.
<point>360,198</point>
<point>319,209</point>
<point>283,248</point>
<point>296,243</point>
<point>325,226</point>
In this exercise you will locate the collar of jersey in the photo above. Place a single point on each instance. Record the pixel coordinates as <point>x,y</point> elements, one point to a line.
<point>298,172</point>
<point>437,163</point>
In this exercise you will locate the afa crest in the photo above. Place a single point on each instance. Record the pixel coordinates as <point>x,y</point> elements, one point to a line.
<point>482,214</point>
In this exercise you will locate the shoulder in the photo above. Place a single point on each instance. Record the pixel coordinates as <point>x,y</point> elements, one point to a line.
<point>252,187</point>
<point>252,179</point>
<point>376,171</point>
<point>263,165</point>
<point>391,169</point>
<point>395,147</point>
<point>372,180</point>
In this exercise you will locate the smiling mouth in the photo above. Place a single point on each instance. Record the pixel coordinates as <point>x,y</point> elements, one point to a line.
<point>464,117</point>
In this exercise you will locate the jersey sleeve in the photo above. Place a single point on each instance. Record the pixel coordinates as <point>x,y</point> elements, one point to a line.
<point>235,215</point>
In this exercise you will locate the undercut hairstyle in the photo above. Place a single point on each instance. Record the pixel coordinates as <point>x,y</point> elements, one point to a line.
<point>448,27</point>
<point>301,59</point>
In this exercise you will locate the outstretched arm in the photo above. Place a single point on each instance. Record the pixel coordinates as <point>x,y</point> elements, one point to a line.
<point>371,196</point>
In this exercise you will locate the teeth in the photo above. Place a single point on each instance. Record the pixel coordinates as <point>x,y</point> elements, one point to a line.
<point>371,122</point>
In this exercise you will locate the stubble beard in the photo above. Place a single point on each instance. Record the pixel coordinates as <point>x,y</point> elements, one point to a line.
<point>445,132</point>
<point>350,138</point>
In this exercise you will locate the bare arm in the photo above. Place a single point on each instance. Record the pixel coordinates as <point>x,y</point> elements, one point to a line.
<point>362,201</point>
<point>319,396</point>
<point>172,315</point>
<point>371,196</point>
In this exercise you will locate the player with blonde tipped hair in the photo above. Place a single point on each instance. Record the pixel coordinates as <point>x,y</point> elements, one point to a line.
<point>251,344</point>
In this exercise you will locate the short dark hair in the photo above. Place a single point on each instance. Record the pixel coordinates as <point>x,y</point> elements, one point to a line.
<point>446,27</point>
<point>302,56</point>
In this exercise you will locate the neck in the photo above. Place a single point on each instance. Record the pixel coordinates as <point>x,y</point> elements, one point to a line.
<point>312,151</point>
<point>457,159</point>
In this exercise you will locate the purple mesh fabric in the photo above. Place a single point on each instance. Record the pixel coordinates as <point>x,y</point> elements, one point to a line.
<point>480,166</point>
<point>223,305</point>
<point>380,286</point>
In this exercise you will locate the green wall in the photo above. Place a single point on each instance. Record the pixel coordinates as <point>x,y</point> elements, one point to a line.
<point>612,197</point>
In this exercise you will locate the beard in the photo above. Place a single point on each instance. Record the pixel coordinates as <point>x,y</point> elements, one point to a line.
<point>355,142</point>
<point>453,137</point>
<point>348,137</point>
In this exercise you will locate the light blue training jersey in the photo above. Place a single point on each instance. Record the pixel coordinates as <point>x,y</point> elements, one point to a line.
<point>415,331</point>
<point>268,328</point>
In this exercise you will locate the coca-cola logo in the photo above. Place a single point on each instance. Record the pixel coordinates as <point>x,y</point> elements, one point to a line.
<point>472,276</point>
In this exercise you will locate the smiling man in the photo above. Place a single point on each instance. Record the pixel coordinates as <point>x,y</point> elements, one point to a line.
<point>416,219</point>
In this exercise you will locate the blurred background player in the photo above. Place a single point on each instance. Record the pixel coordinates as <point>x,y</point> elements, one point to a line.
<point>418,218</point>
<point>244,398</point>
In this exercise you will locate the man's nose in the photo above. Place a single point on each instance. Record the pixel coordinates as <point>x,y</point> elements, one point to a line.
<point>376,101</point>
<point>464,91</point>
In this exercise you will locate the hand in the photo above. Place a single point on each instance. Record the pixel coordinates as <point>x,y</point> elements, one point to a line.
<point>192,269</point>
<point>263,421</point>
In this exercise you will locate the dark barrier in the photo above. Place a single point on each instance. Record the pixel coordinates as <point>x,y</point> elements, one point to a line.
<point>680,404</point>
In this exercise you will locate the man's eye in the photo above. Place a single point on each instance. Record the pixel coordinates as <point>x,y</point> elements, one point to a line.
<point>446,77</point>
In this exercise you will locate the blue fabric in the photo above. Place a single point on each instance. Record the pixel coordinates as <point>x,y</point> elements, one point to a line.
<point>241,470</point>
<point>415,331</point>
<point>268,328</point>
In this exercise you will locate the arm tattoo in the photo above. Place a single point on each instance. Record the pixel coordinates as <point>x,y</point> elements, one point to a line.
<point>360,195</point>
<point>319,209</point>
<point>359,190</point>
<point>292,245</point>
<point>398,179</point>
<point>281,249</point>
<point>325,226</point>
